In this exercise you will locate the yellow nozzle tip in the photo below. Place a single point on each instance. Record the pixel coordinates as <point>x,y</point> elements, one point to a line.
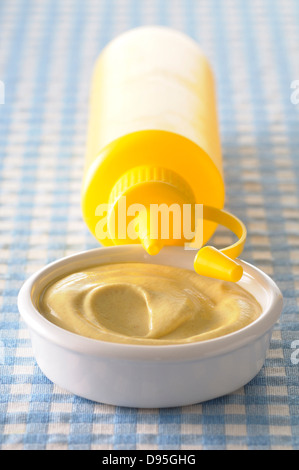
<point>210,262</point>
<point>152,247</point>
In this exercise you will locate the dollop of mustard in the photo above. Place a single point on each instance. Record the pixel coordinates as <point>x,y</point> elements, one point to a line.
<point>142,303</point>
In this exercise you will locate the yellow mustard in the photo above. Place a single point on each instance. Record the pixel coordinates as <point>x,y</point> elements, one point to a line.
<point>140,303</point>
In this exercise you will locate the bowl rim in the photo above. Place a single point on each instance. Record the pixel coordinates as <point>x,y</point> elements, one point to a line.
<point>38,324</point>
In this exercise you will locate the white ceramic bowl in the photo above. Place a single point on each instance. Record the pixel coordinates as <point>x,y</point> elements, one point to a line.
<point>148,376</point>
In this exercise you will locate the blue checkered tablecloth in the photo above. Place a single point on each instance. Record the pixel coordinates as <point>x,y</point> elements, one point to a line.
<point>47,52</point>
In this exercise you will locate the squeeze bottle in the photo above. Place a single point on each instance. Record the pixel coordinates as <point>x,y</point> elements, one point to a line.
<point>153,139</point>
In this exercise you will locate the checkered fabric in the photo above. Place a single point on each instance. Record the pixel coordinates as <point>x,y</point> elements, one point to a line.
<point>48,49</point>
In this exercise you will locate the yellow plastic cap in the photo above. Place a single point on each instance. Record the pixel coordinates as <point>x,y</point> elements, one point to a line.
<point>220,264</point>
<point>144,187</point>
<point>211,262</point>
